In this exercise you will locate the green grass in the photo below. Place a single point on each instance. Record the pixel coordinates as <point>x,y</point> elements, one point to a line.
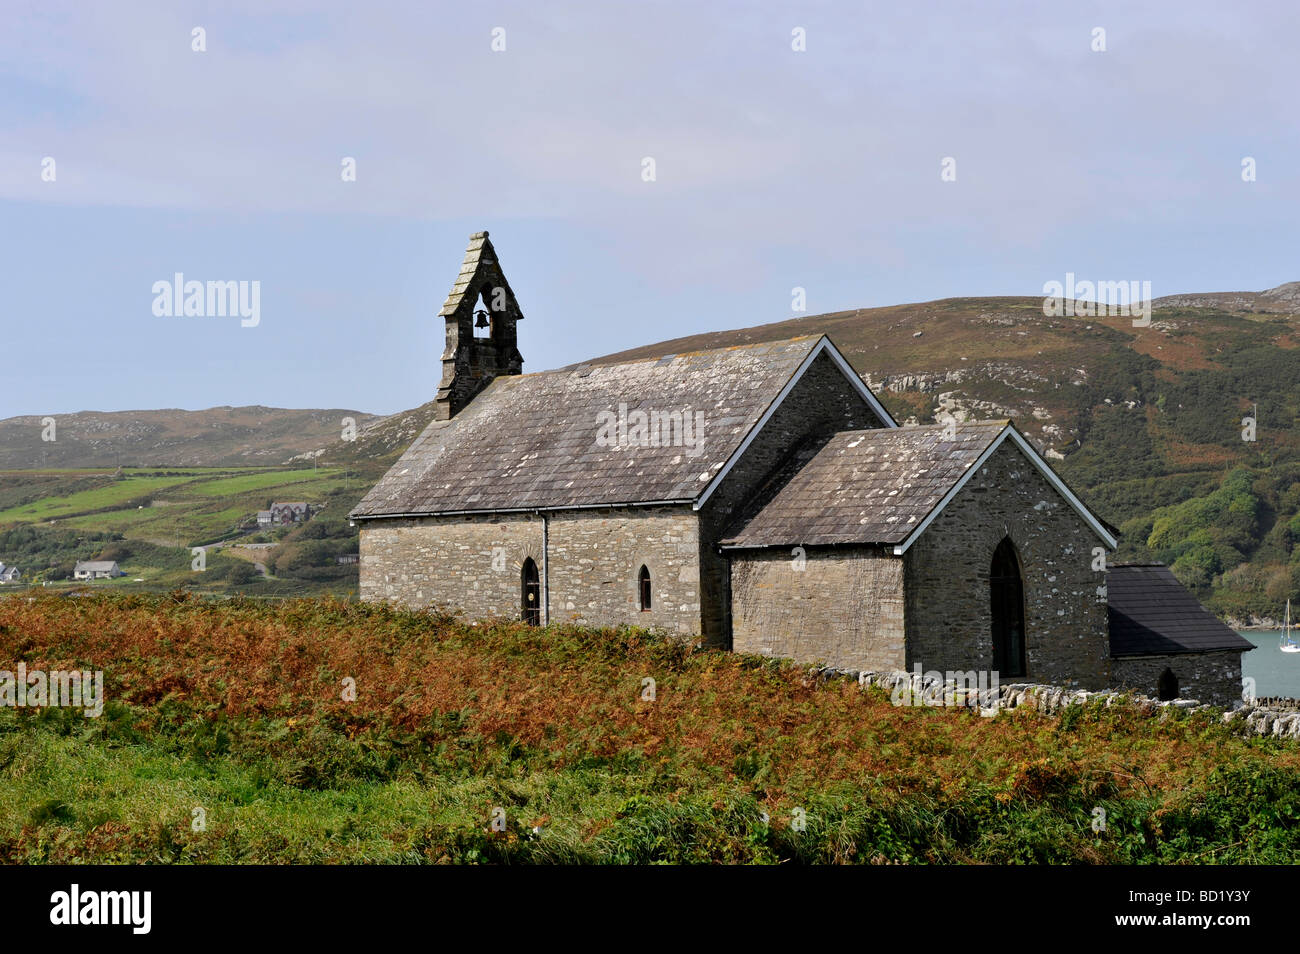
<point>194,506</point>
<point>133,471</point>
<point>183,523</point>
<point>53,530</point>
<point>252,482</point>
<point>114,494</point>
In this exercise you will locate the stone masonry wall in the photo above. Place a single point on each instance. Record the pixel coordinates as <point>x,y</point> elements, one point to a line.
<point>592,566</point>
<point>448,561</point>
<point>1214,678</point>
<point>596,556</point>
<point>948,615</point>
<point>844,608</point>
<point>822,403</point>
<point>936,690</point>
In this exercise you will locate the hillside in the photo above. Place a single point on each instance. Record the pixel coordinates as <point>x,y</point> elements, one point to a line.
<point>1145,422</point>
<point>149,521</point>
<point>238,707</point>
<point>379,441</point>
<point>1001,357</point>
<point>216,437</point>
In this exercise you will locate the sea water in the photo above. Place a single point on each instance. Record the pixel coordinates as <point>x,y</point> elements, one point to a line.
<point>1275,673</point>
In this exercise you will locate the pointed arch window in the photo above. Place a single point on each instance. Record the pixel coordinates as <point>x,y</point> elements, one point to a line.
<point>530,593</point>
<point>644,588</point>
<point>1007,602</point>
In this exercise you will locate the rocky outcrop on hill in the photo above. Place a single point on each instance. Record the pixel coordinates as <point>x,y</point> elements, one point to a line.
<point>1283,299</point>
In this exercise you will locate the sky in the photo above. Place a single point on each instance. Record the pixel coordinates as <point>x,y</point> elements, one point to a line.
<point>868,153</point>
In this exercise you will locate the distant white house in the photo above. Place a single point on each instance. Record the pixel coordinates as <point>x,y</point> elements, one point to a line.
<point>9,574</point>
<point>96,570</point>
<point>346,558</point>
<point>264,518</point>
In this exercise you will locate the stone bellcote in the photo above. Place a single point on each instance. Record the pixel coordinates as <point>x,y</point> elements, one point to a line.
<point>482,344</point>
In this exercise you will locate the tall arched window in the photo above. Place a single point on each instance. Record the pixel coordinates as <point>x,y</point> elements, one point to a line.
<point>531,593</point>
<point>1007,602</point>
<point>1167,685</point>
<point>643,587</point>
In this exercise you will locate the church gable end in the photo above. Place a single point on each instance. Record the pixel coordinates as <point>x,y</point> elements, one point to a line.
<point>991,557</point>
<point>1005,519</point>
<point>825,397</point>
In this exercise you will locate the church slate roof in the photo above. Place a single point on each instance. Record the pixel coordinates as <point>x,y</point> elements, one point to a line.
<point>529,441</point>
<point>863,487</point>
<point>1152,614</point>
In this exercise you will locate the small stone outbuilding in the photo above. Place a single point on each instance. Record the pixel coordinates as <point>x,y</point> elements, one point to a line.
<point>1165,644</point>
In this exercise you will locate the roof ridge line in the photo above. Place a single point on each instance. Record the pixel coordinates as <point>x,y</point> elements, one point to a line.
<point>599,363</point>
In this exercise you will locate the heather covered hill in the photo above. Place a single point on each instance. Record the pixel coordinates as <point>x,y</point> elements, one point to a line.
<point>215,437</point>
<point>993,357</point>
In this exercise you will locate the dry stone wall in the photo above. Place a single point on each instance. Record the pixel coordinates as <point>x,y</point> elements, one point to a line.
<point>1277,721</point>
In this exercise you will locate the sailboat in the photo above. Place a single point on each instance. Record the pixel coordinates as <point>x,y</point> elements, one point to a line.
<point>1288,642</point>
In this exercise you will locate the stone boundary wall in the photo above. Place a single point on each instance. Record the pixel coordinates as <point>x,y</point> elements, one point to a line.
<point>1284,703</point>
<point>1279,721</point>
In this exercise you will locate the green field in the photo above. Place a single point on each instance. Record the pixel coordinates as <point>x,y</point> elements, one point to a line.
<point>165,522</point>
<point>114,494</point>
<point>135,471</point>
<point>148,521</point>
<point>281,480</point>
<point>204,502</point>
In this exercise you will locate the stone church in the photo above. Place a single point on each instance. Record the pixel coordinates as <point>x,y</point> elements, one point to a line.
<point>761,499</point>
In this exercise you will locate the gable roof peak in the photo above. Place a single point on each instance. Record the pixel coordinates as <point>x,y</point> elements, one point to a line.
<point>480,266</point>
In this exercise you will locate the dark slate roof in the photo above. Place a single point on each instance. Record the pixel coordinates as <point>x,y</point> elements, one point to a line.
<point>1152,614</point>
<point>872,486</point>
<point>529,441</point>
